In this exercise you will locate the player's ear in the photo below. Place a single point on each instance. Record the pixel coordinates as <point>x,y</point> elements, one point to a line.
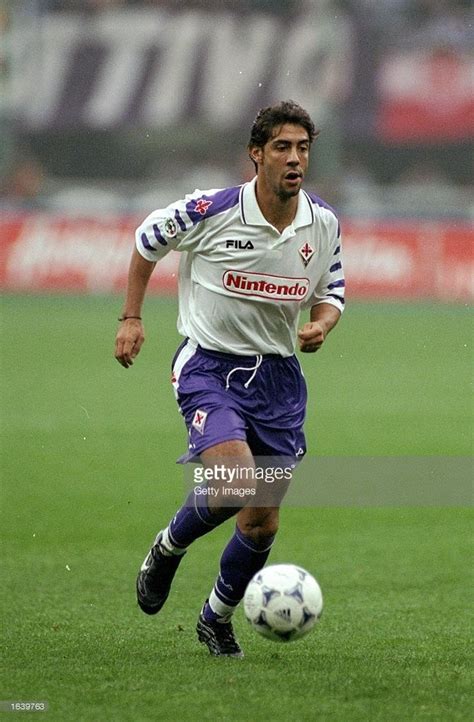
<point>256,154</point>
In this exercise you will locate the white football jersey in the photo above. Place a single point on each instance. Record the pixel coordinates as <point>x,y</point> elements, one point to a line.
<point>242,283</point>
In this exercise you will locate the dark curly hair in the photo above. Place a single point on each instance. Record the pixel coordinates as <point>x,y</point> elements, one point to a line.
<point>287,111</point>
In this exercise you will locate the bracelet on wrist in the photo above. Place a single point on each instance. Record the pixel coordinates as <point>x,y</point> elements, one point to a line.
<point>125,318</point>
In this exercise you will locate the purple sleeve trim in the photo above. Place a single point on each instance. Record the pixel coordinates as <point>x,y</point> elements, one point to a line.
<point>338,298</point>
<point>322,204</point>
<point>146,244</point>
<point>158,235</point>
<point>179,220</point>
<point>207,206</point>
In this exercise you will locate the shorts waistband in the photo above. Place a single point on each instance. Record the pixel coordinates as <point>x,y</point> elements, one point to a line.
<point>238,358</point>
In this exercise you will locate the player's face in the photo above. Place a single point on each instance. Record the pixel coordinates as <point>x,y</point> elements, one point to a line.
<point>283,160</point>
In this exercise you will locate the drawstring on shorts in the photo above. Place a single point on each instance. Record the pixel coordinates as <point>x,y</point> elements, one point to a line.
<point>254,370</point>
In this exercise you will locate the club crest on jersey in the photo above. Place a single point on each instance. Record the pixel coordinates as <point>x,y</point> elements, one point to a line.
<point>201,206</point>
<point>306,252</point>
<point>199,420</point>
<point>239,245</point>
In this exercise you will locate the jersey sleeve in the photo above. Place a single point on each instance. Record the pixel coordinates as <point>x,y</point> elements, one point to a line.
<point>174,228</point>
<point>331,286</point>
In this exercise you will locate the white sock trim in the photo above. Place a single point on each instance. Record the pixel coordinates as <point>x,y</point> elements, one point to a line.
<point>169,546</point>
<point>219,608</point>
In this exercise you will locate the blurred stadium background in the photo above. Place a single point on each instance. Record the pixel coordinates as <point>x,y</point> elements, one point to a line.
<point>112,108</point>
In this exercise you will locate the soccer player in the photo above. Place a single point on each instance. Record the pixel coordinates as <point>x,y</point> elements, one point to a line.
<point>253,256</point>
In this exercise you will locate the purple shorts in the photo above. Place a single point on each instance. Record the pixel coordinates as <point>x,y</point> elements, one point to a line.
<point>257,399</point>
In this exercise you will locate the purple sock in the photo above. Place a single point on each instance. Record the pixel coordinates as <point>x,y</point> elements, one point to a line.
<point>241,559</point>
<point>194,520</point>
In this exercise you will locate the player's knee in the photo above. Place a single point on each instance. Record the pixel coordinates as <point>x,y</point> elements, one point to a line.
<point>259,527</point>
<point>261,535</point>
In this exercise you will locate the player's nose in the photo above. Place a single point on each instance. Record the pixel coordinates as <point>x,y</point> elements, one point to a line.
<point>293,157</point>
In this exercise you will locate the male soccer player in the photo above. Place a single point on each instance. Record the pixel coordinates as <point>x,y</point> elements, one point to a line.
<point>252,257</point>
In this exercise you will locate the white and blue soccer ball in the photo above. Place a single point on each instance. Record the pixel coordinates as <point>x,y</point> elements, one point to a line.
<point>283,602</point>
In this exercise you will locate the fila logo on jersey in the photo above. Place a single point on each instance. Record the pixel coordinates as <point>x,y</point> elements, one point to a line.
<point>264,285</point>
<point>202,205</point>
<point>199,420</point>
<point>306,252</point>
<point>239,245</point>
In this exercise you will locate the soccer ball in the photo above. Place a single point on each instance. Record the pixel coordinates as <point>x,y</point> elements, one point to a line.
<point>283,602</point>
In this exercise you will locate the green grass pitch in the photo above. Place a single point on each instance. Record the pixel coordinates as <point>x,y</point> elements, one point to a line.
<point>89,475</point>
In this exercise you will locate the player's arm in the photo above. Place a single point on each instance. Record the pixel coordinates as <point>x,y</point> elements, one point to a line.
<point>164,230</point>
<point>327,301</point>
<point>323,318</point>
<point>130,335</point>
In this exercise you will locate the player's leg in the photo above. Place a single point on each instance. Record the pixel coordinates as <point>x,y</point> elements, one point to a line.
<point>199,515</point>
<point>214,627</point>
<point>202,513</point>
<point>212,420</point>
<point>248,549</point>
<point>246,553</point>
<point>275,435</point>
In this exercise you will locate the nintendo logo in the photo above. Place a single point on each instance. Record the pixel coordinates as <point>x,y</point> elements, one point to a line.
<point>264,285</point>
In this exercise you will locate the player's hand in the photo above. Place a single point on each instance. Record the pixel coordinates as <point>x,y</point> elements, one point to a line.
<point>311,337</point>
<point>128,342</point>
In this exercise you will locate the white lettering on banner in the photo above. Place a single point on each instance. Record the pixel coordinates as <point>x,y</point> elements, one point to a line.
<point>94,255</point>
<point>316,62</point>
<point>47,249</point>
<point>439,82</point>
<point>264,285</point>
<point>382,259</point>
<point>116,83</point>
<point>455,280</point>
<point>220,65</point>
<point>126,39</point>
<point>374,261</point>
<point>49,57</point>
<point>237,53</point>
<point>167,94</point>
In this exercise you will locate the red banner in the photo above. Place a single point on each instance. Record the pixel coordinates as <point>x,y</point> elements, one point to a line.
<point>426,96</point>
<point>41,252</point>
<point>383,259</point>
<point>415,259</point>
